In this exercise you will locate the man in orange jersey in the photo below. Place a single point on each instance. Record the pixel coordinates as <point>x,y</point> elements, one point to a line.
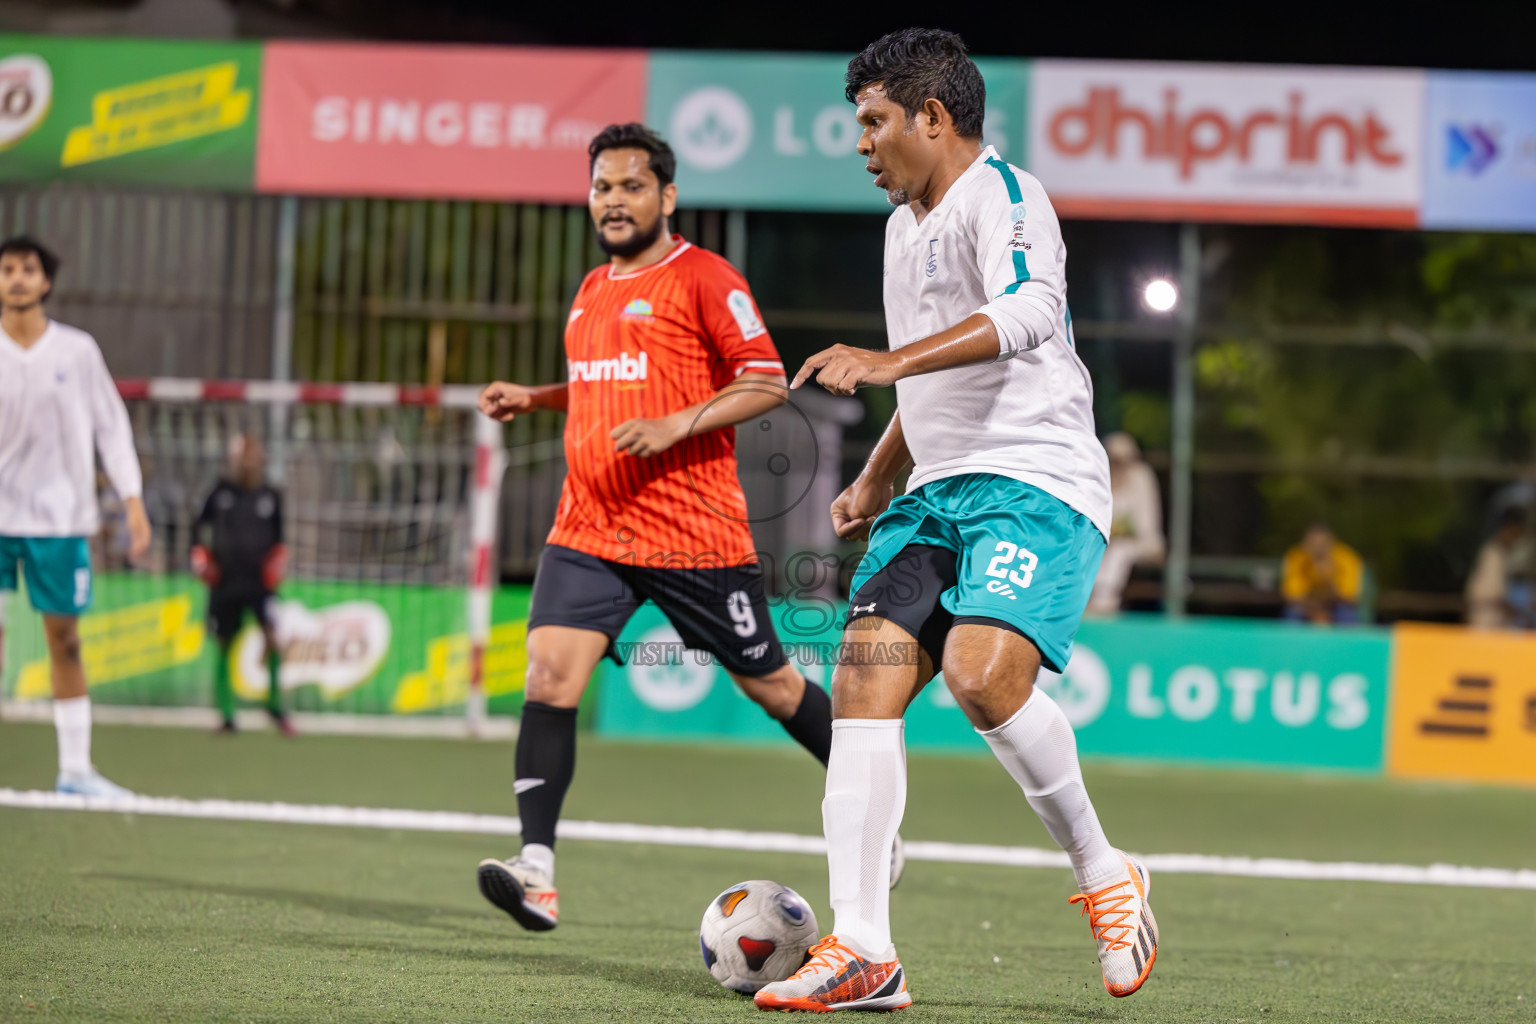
<point>665,353</point>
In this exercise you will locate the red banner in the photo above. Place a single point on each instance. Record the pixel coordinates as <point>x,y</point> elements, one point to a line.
<point>439,121</point>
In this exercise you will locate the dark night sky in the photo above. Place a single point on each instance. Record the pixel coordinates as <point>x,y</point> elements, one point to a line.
<point>1478,34</point>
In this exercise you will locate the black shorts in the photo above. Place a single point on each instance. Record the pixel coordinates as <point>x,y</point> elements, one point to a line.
<point>720,610</point>
<point>228,604</point>
<point>907,590</point>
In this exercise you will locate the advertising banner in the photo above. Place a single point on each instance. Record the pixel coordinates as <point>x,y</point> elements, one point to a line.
<point>774,131</point>
<point>1480,160</point>
<point>1463,705</point>
<point>1226,142</point>
<point>128,112</point>
<point>445,122</point>
<point>1235,692</point>
<point>347,647</point>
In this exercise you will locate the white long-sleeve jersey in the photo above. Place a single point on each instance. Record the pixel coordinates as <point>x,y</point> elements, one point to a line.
<point>993,246</point>
<point>58,409</point>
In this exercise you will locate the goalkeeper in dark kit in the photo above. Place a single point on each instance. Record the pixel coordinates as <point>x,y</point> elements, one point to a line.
<point>238,551</point>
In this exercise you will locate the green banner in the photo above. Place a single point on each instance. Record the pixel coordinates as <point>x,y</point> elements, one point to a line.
<point>1231,691</point>
<point>128,112</point>
<point>774,131</point>
<point>347,647</point>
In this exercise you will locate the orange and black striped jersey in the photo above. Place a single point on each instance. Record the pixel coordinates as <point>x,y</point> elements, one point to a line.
<point>645,345</point>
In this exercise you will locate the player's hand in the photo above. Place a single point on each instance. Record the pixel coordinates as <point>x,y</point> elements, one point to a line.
<point>502,401</point>
<point>204,566</point>
<point>139,533</point>
<point>855,509</point>
<point>843,369</point>
<point>644,438</point>
<point>274,568</point>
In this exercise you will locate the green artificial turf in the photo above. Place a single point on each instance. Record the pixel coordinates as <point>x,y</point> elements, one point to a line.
<point>109,917</point>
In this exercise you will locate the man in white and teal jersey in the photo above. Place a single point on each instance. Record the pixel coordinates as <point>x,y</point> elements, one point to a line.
<point>58,410</point>
<point>983,568</point>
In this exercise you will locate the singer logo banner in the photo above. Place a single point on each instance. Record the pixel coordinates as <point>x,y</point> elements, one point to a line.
<point>1221,142</point>
<point>440,121</point>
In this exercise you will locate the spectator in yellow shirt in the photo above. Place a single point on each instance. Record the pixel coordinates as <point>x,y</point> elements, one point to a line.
<point>1321,578</point>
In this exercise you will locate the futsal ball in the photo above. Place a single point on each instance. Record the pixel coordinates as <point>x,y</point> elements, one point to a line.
<point>755,933</point>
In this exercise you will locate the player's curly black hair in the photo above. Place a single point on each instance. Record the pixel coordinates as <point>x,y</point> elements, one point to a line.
<point>919,64</point>
<point>22,244</point>
<point>636,136</point>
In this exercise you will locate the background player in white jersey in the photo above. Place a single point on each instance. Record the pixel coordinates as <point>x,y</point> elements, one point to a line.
<point>987,561</point>
<point>58,409</point>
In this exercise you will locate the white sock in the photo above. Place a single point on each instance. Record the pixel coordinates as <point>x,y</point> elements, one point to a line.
<point>1039,750</point>
<point>72,721</point>
<point>866,795</point>
<point>541,857</point>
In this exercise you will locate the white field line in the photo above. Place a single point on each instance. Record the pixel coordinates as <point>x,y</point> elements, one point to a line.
<point>495,727</point>
<point>765,842</point>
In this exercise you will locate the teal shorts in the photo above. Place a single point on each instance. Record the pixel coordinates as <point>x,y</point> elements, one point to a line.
<point>58,572</point>
<point>980,548</point>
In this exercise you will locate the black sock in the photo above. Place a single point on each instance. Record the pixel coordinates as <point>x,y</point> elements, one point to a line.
<point>811,724</point>
<point>546,763</point>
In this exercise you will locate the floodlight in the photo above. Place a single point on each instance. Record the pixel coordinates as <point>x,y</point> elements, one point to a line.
<point>1161,296</point>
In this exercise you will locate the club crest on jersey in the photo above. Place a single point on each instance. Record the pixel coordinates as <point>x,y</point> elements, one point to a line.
<point>638,309</point>
<point>933,257</point>
<point>624,367</point>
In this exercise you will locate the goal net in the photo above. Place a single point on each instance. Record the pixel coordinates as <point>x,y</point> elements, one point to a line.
<point>390,498</point>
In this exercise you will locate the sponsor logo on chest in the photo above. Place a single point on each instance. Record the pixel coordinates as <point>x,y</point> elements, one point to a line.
<point>622,367</point>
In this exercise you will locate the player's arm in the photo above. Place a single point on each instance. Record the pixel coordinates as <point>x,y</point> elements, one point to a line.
<point>748,396</point>
<point>274,567</point>
<point>113,433</point>
<point>200,557</point>
<point>1016,245</point>
<point>843,369</point>
<point>856,508</point>
<point>502,400</point>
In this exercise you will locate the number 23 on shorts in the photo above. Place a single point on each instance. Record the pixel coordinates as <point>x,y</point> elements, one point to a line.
<point>1006,555</point>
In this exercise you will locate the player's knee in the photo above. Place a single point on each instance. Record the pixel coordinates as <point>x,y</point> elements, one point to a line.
<point>988,693</point>
<point>968,686</point>
<point>64,643</point>
<point>777,694</point>
<point>550,680</point>
<point>866,691</point>
<point>67,650</point>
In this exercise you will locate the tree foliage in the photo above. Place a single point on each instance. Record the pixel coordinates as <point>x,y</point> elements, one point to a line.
<point>1382,436</point>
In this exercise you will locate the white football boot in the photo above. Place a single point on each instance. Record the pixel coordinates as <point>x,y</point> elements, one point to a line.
<point>836,977</point>
<point>91,783</point>
<point>523,890</point>
<point>1122,923</point>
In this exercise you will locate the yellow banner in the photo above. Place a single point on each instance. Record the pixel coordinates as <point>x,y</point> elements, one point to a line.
<point>127,642</point>
<point>1463,705</point>
<point>159,112</point>
<point>445,680</point>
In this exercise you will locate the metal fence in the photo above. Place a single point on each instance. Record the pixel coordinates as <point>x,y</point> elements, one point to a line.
<point>375,495</point>
<point>175,283</point>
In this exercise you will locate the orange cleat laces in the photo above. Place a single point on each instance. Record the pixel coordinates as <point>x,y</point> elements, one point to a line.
<point>1109,918</point>
<point>828,953</point>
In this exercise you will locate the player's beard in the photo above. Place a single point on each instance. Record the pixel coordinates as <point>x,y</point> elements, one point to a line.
<point>898,196</point>
<point>638,241</point>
